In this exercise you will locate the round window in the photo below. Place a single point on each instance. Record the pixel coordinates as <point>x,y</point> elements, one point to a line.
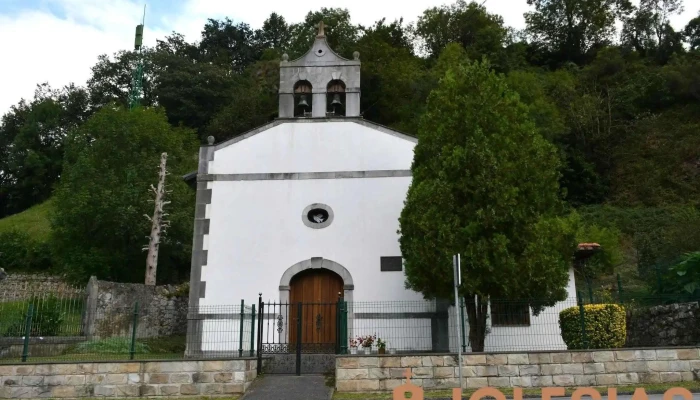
<point>317,216</point>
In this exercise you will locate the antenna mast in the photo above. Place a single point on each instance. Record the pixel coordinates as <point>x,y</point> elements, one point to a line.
<point>137,75</point>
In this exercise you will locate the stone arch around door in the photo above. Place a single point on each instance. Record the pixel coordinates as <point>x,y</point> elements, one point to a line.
<point>316,263</point>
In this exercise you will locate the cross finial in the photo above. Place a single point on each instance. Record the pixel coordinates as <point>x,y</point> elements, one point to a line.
<point>321,31</point>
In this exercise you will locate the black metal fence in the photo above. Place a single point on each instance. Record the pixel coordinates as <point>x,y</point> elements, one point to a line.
<point>50,327</point>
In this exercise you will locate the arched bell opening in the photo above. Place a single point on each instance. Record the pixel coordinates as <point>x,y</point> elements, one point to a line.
<point>303,103</point>
<point>335,98</point>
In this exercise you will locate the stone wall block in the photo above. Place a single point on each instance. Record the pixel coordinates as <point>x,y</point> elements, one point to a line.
<point>369,362</point>
<point>422,372</point>
<point>352,374</point>
<point>435,361</point>
<point>606,379</point>
<point>104,391</point>
<point>492,370</point>
<point>603,356</point>
<point>688,354</point>
<point>467,372</point>
<point>115,379</point>
<point>443,372</point>
<point>560,358</point>
<point>518,359</point>
<point>474,383</point>
<point>572,369</point>
<point>521,381</point>
<point>649,377</point>
<point>390,384</point>
<point>379,373</point>
<point>594,368</point>
<point>348,362</point>
<point>180,378</point>
<point>540,358</point>
<point>658,366</point>
<point>212,366</point>
<point>148,390</point>
<point>156,378</point>
<point>584,380</point>
<point>169,390</point>
<point>637,366</point>
<point>615,367</point>
<point>449,361</point>
<point>551,369</point>
<point>563,380</point>
<point>581,357</point>
<point>508,370</point>
<point>666,354</point>
<point>395,362</point>
<point>628,378</point>
<point>648,355</point>
<point>499,381</point>
<point>529,370</point>
<point>625,355</point>
<point>24,370</point>
<point>678,366</point>
<point>476,359</point>
<point>63,391</point>
<point>7,370</point>
<point>427,361</point>
<point>32,380</point>
<point>56,380</point>
<point>212,389</point>
<point>346,386</point>
<point>411,362</point>
<point>367,385</point>
<point>127,390</point>
<point>496,359</point>
<point>73,380</point>
<point>189,389</point>
<point>230,388</point>
<point>542,381</point>
<point>223,377</point>
<point>202,377</point>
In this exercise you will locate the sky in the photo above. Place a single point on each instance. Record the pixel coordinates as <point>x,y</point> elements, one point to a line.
<point>58,41</point>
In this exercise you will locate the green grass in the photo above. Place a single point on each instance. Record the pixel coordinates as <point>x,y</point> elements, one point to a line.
<point>34,221</point>
<point>693,386</point>
<point>15,312</point>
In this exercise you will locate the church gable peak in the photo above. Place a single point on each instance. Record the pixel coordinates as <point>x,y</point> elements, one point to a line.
<point>320,83</point>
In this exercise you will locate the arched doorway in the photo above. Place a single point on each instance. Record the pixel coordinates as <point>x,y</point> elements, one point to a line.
<point>318,291</point>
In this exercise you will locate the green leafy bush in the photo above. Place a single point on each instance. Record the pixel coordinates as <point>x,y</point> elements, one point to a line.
<point>114,345</point>
<point>605,326</point>
<point>20,252</point>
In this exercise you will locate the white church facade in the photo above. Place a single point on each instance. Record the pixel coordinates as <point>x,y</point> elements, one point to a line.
<point>306,209</point>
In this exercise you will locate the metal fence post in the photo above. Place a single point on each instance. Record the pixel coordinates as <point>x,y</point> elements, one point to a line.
<point>240,331</point>
<point>298,360</point>
<point>464,336</point>
<point>252,331</point>
<point>261,310</point>
<point>582,313</point>
<point>27,332</point>
<point>132,351</point>
<point>619,289</point>
<point>343,327</point>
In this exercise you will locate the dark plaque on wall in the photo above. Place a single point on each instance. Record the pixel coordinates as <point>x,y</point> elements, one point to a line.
<point>391,263</point>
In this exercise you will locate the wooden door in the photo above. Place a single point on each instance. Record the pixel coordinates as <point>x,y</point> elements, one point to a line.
<point>318,291</point>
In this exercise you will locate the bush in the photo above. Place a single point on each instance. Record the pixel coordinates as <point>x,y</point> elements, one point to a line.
<point>605,326</point>
<point>20,252</point>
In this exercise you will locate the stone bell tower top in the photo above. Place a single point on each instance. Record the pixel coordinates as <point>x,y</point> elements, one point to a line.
<point>320,83</point>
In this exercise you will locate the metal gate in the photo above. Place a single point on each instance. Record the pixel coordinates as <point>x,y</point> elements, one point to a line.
<point>301,338</point>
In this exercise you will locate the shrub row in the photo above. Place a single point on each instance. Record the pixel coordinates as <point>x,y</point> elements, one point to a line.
<point>604,324</point>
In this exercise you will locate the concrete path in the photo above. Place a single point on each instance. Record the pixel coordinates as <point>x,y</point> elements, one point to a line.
<point>289,387</point>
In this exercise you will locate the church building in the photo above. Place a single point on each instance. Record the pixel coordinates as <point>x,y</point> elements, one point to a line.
<point>306,209</point>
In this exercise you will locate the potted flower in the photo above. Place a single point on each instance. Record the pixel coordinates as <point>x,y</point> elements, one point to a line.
<point>381,345</point>
<point>367,342</point>
<point>353,346</point>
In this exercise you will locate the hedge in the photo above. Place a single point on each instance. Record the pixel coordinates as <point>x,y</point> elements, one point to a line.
<point>605,326</point>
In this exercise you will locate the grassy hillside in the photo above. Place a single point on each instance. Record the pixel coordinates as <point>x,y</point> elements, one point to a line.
<point>34,221</point>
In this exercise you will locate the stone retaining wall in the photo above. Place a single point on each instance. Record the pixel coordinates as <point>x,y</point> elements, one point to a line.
<point>667,325</point>
<point>126,379</point>
<point>542,369</point>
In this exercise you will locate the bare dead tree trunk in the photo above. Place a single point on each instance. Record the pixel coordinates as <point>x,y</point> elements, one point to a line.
<point>477,309</point>
<point>158,224</point>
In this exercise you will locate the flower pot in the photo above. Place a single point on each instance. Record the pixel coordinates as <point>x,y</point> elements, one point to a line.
<point>382,350</point>
<point>353,350</point>
<point>392,351</point>
<point>367,351</point>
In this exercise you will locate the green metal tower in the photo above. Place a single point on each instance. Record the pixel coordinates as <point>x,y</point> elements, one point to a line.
<point>137,75</point>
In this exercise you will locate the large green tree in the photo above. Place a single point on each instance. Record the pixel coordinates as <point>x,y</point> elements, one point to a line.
<point>485,185</point>
<point>98,222</point>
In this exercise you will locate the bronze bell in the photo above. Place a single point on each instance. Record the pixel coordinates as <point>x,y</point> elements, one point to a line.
<point>302,102</point>
<point>336,100</point>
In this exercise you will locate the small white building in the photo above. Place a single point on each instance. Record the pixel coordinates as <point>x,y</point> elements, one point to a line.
<point>305,209</point>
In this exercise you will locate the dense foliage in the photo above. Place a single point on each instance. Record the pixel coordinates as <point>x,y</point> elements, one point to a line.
<point>604,324</point>
<point>485,184</point>
<point>621,108</point>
